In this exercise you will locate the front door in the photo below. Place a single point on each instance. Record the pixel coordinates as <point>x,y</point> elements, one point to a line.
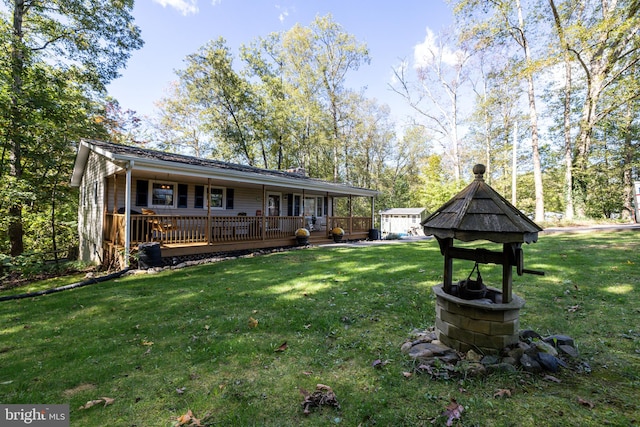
<point>273,205</point>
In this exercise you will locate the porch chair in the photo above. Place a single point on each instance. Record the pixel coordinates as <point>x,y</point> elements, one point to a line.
<point>160,227</point>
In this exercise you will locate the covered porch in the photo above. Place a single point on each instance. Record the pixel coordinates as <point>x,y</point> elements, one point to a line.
<point>181,235</point>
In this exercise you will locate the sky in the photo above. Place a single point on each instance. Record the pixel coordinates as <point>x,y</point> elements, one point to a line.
<point>173,29</point>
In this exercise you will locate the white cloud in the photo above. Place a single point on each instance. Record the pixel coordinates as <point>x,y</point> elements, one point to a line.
<point>432,49</point>
<point>284,14</point>
<point>185,7</point>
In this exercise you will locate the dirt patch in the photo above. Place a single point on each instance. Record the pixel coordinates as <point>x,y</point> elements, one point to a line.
<point>78,389</point>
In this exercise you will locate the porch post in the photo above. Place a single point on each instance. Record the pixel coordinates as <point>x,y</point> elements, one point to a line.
<point>115,193</point>
<point>264,212</point>
<point>373,212</point>
<point>127,215</point>
<point>208,200</point>
<point>350,214</point>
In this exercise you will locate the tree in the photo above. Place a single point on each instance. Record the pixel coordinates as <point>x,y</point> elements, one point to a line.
<point>435,97</point>
<point>602,37</point>
<point>179,126</point>
<point>320,57</point>
<point>89,41</point>
<point>498,22</point>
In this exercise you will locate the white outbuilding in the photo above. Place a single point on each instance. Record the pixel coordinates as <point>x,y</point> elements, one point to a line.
<point>402,221</point>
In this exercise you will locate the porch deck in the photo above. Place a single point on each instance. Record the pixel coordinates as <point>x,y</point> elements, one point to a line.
<point>192,235</point>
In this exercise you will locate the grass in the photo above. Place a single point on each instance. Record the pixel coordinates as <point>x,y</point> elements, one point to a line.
<point>163,344</point>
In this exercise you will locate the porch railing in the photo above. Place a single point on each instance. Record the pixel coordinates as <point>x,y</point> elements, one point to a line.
<point>350,224</point>
<point>170,229</point>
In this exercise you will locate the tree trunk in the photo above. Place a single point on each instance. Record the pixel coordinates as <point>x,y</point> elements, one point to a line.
<point>533,117</point>
<point>568,147</point>
<point>15,131</point>
<point>628,211</point>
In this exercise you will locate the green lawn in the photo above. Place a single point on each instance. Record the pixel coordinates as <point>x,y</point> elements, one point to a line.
<point>161,345</point>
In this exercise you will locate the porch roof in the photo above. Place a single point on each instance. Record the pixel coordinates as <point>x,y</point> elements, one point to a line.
<point>157,161</point>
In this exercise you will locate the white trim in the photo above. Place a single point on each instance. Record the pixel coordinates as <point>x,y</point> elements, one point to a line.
<point>224,198</point>
<point>174,200</point>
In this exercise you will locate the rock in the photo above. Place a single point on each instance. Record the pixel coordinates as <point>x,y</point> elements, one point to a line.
<point>450,357</point>
<point>474,369</point>
<point>435,349</point>
<point>528,334</point>
<point>420,353</point>
<point>568,350</point>
<point>529,364</point>
<point>472,356</point>
<point>558,340</point>
<point>510,360</point>
<point>501,367</point>
<point>516,354</point>
<point>546,348</point>
<point>490,359</point>
<point>406,347</point>
<point>548,362</point>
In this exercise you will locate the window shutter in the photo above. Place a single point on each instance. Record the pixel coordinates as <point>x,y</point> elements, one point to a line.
<point>199,199</point>
<point>229,198</point>
<point>183,191</point>
<point>142,192</point>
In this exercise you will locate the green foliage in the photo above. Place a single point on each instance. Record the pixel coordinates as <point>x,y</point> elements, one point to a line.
<point>53,69</point>
<point>436,186</point>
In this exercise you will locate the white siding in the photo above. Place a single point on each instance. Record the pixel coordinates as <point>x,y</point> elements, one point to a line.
<point>91,207</point>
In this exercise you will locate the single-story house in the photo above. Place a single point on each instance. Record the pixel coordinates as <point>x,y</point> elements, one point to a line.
<point>130,195</point>
<point>402,221</point>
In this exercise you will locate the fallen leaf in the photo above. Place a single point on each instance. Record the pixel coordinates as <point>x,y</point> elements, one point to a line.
<point>91,403</point>
<point>551,378</point>
<point>323,396</point>
<point>106,400</point>
<point>184,419</point>
<point>207,327</point>
<point>180,390</point>
<point>379,363</point>
<point>453,411</point>
<point>407,374</point>
<point>253,322</point>
<point>282,347</point>
<point>502,392</point>
<point>307,373</point>
<point>147,343</point>
<point>573,308</point>
<point>586,403</point>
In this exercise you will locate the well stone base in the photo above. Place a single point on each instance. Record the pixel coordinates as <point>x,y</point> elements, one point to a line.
<point>476,324</point>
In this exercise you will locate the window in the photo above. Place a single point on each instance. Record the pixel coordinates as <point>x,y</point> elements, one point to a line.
<point>216,198</point>
<point>310,206</point>
<point>142,192</point>
<point>319,206</point>
<point>199,199</point>
<point>163,194</point>
<point>294,204</point>
<point>183,194</point>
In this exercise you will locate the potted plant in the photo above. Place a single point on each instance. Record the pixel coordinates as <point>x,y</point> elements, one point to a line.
<point>302,236</point>
<point>337,234</point>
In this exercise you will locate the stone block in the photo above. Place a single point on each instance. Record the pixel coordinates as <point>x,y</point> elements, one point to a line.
<point>510,327</point>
